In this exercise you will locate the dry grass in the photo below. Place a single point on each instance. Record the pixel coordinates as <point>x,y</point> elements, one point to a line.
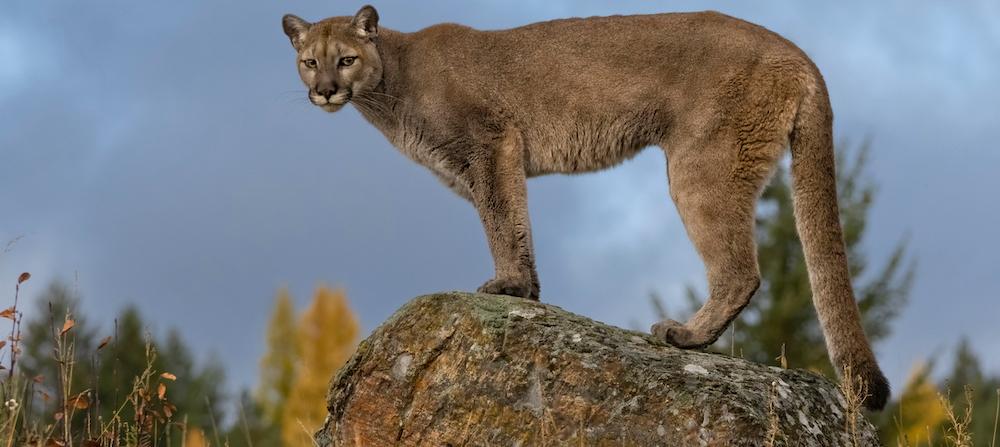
<point>773,422</point>
<point>996,421</point>
<point>957,428</point>
<point>25,421</point>
<point>855,391</point>
<point>957,431</point>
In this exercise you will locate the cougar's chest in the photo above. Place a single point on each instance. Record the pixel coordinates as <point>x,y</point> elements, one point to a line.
<point>416,145</point>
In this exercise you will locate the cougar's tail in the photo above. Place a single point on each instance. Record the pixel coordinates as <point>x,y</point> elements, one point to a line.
<point>818,222</point>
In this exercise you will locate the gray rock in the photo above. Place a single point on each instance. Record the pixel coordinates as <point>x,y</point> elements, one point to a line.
<point>474,369</point>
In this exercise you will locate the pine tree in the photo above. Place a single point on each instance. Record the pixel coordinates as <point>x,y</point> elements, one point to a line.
<point>327,335</point>
<point>250,426</point>
<point>277,367</point>
<point>198,390</point>
<point>780,321</point>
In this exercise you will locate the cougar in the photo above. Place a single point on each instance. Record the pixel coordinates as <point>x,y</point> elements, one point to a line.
<point>723,98</point>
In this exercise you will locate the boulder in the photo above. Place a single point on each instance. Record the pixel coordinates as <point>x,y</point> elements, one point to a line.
<point>461,369</point>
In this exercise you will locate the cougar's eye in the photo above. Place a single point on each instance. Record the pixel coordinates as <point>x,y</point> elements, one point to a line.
<point>310,63</point>
<point>347,61</point>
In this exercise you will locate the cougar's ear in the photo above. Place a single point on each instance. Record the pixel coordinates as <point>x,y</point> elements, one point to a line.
<point>295,29</point>
<point>365,22</point>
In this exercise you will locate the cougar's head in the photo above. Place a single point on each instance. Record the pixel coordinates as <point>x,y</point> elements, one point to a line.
<point>337,57</point>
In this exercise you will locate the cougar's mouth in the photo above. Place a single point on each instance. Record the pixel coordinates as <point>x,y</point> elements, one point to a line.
<point>333,103</point>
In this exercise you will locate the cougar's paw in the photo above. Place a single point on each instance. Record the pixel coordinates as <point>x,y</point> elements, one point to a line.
<point>510,287</point>
<point>678,335</point>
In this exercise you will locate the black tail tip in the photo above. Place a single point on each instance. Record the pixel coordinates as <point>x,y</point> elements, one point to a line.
<point>877,389</point>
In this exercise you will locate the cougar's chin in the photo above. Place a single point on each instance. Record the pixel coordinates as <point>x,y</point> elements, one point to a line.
<point>332,107</point>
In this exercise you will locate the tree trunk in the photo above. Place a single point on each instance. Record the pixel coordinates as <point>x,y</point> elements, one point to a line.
<point>458,369</point>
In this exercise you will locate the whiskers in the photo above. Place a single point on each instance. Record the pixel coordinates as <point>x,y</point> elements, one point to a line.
<point>375,107</point>
<point>384,95</point>
<point>298,97</point>
<point>375,104</point>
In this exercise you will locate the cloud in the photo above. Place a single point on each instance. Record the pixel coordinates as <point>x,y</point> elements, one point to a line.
<point>165,153</point>
<point>13,60</point>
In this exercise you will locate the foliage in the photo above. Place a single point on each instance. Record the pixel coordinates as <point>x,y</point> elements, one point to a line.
<point>916,414</point>
<point>71,386</point>
<point>251,427</point>
<point>277,367</point>
<point>963,409</point>
<point>327,335</point>
<point>126,388</point>
<point>966,377</point>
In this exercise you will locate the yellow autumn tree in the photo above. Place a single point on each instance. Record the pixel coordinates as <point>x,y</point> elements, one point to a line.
<point>327,335</point>
<point>195,438</point>
<point>918,413</point>
<point>277,367</point>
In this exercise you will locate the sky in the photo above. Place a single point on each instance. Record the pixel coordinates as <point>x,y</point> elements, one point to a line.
<point>164,155</point>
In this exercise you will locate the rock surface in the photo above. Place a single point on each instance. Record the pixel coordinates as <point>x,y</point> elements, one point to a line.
<point>459,369</point>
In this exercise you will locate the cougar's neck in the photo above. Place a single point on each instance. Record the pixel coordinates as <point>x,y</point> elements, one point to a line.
<point>384,107</point>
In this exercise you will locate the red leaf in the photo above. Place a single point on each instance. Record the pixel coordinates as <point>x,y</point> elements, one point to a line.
<point>7,313</point>
<point>67,326</point>
<point>24,277</point>
<point>80,401</point>
<point>104,342</point>
<point>168,376</point>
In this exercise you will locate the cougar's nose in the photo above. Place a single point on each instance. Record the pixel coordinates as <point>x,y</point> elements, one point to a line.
<point>327,92</point>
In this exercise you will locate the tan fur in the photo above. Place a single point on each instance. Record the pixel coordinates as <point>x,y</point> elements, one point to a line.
<point>484,110</point>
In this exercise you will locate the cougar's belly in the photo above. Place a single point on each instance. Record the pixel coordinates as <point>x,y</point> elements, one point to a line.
<point>586,145</point>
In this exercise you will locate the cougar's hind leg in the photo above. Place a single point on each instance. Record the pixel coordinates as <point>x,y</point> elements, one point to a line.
<point>715,186</point>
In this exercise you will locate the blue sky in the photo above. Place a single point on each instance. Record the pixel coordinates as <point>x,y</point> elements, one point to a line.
<point>165,155</point>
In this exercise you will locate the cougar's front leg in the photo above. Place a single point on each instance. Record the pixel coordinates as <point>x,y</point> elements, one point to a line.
<point>499,192</point>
